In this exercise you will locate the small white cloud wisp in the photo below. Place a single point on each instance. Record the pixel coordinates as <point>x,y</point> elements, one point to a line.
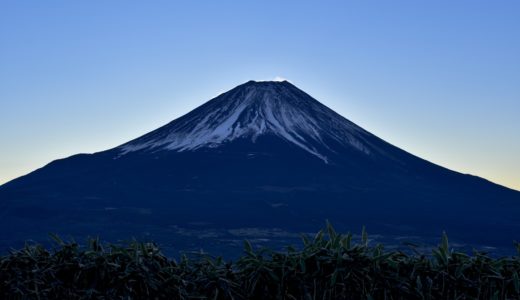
<point>276,78</point>
<point>279,78</point>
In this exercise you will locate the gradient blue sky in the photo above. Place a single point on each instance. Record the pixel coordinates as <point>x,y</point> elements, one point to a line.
<point>440,79</point>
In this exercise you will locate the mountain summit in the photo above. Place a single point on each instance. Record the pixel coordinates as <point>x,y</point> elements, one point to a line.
<point>262,161</point>
<point>255,109</point>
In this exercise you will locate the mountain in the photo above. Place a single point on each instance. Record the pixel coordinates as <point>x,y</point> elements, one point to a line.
<point>264,161</point>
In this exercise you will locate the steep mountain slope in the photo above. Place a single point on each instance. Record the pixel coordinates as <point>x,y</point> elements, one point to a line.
<point>263,155</point>
<point>253,110</point>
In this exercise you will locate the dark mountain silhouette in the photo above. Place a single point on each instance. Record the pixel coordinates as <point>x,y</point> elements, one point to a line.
<point>263,155</point>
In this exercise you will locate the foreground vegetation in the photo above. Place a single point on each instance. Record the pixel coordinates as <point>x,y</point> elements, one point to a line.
<point>329,266</point>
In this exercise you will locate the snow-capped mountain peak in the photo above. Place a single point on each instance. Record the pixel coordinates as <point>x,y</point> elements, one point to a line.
<point>252,110</point>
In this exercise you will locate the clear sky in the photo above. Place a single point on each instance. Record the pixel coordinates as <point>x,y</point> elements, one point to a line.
<point>440,79</point>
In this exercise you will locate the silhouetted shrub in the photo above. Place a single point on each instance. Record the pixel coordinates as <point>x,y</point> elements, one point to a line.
<point>329,266</point>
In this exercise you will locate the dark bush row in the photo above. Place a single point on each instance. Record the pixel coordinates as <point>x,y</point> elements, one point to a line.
<point>329,266</point>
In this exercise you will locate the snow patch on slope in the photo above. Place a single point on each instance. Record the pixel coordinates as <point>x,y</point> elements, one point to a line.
<point>252,110</point>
